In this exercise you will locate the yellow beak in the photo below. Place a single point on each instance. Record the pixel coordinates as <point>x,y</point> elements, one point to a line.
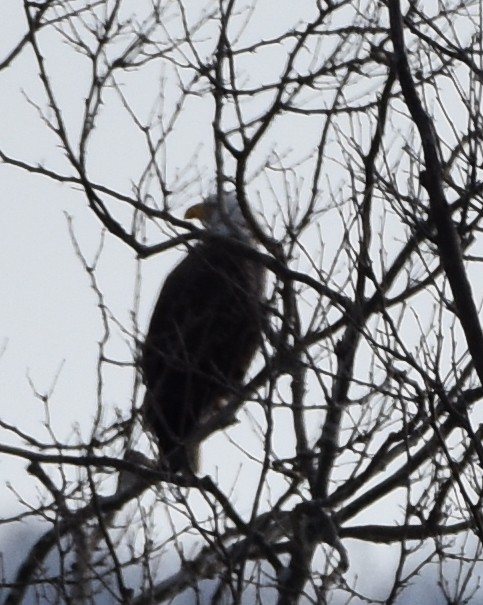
<point>196,211</point>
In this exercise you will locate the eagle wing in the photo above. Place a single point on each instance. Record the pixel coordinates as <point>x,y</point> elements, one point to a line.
<point>204,331</point>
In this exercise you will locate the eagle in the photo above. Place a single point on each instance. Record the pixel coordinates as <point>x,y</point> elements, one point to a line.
<point>204,331</point>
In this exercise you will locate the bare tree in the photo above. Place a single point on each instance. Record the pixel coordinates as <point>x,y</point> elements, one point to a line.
<point>351,132</point>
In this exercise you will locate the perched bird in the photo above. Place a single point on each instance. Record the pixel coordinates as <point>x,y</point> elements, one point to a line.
<point>204,331</point>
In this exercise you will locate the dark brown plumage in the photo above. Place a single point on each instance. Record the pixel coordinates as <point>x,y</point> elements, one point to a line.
<point>203,334</point>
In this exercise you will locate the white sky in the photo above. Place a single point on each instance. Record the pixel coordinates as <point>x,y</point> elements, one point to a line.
<point>49,320</point>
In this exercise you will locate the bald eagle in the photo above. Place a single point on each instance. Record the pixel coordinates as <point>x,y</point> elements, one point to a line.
<point>204,331</point>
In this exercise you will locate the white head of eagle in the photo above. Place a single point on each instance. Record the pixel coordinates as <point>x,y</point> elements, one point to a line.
<point>204,331</point>
<point>221,216</point>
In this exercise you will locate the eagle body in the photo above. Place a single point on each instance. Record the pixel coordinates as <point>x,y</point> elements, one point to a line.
<point>203,334</point>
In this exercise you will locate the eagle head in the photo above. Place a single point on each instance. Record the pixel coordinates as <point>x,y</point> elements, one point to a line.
<point>221,215</point>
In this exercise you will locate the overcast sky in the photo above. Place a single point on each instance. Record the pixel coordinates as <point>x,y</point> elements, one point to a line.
<point>50,324</point>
